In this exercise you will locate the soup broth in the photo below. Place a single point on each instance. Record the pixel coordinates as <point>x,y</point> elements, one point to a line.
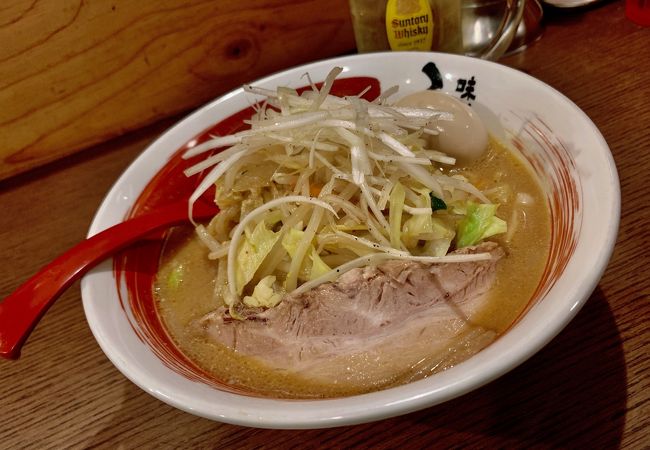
<point>185,284</point>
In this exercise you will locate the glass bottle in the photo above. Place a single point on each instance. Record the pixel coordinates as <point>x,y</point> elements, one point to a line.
<point>403,25</point>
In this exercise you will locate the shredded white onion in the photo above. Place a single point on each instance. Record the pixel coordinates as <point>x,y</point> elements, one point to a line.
<point>342,155</point>
<point>209,180</point>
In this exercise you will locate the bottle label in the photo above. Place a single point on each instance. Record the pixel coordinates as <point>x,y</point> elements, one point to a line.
<point>409,24</point>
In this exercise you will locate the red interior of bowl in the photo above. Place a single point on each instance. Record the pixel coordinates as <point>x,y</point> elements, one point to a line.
<point>553,164</point>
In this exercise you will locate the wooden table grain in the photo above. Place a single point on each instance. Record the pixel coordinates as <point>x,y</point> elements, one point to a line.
<point>74,73</point>
<point>589,388</point>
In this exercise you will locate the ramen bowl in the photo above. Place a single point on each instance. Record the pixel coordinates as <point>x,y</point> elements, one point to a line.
<point>561,144</point>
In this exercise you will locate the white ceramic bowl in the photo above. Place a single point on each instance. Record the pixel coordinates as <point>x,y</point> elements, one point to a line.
<point>560,141</point>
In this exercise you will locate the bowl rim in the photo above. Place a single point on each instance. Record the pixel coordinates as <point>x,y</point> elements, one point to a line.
<point>277,413</point>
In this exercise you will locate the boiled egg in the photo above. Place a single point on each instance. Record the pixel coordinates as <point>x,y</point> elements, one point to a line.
<point>464,138</point>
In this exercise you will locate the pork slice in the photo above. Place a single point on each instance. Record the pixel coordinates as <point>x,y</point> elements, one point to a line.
<point>374,326</point>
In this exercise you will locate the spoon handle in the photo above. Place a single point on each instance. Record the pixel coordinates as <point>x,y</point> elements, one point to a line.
<point>21,310</point>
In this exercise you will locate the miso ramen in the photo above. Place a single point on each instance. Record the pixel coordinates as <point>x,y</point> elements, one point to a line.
<point>354,249</point>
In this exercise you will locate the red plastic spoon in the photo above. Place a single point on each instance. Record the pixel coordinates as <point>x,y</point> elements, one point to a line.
<point>21,311</point>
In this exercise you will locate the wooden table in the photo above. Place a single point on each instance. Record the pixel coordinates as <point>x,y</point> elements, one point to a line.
<point>589,388</point>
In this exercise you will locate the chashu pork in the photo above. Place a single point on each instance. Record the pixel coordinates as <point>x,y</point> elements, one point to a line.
<point>375,326</point>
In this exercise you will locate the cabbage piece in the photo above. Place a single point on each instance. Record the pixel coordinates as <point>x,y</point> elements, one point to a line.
<point>291,241</point>
<point>458,207</point>
<point>225,198</point>
<point>480,222</point>
<point>252,251</point>
<point>315,266</point>
<point>426,226</point>
<point>443,234</point>
<point>264,296</point>
<point>318,266</point>
<point>249,204</point>
<point>415,227</point>
<point>435,247</point>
